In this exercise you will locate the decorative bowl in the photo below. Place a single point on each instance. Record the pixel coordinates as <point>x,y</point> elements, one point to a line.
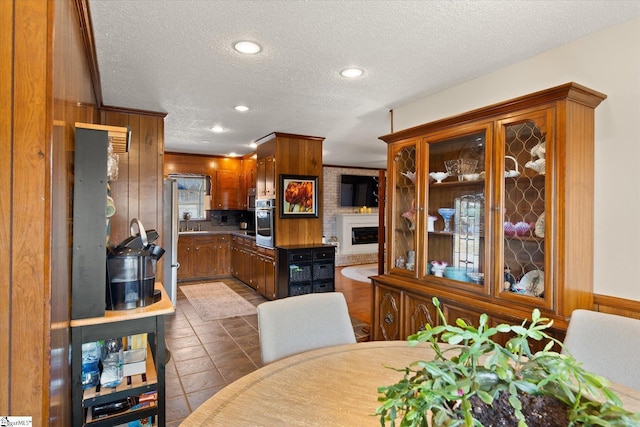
<point>459,167</point>
<point>512,173</point>
<point>410,175</point>
<point>475,277</point>
<point>521,228</point>
<point>537,166</point>
<point>456,273</point>
<point>439,176</point>
<point>471,176</point>
<point>509,229</point>
<point>446,212</point>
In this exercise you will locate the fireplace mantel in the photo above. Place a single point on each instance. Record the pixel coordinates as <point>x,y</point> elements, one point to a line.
<point>345,223</point>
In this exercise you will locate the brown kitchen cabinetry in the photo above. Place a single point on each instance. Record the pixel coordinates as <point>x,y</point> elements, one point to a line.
<point>266,177</point>
<point>227,191</point>
<point>281,154</point>
<point>265,272</point>
<point>517,181</point>
<point>254,265</point>
<point>203,257</point>
<point>222,256</point>
<point>248,182</point>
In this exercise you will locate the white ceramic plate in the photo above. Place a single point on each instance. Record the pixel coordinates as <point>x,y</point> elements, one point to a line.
<point>539,227</point>
<point>532,283</point>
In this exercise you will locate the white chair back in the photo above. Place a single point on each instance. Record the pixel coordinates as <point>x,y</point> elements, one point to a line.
<point>606,344</point>
<point>305,322</point>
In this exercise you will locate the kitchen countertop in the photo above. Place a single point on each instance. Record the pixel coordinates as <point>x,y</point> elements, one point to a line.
<point>218,231</point>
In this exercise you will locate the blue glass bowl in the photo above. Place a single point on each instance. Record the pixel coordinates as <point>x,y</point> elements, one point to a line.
<point>446,212</point>
<point>456,273</point>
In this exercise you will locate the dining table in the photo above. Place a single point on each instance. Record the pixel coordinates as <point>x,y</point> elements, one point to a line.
<point>331,386</point>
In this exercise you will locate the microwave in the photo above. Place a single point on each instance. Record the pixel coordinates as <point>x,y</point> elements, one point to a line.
<point>251,199</point>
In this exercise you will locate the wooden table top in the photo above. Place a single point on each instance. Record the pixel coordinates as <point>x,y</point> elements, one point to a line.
<point>335,386</point>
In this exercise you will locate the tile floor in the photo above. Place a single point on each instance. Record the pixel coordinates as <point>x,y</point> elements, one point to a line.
<point>206,356</point>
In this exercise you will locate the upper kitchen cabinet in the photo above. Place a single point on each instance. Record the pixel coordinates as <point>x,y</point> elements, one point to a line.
<point>266,177</point>
<point>491,211</point>
<point>227,192</point>
<point>226,177</point>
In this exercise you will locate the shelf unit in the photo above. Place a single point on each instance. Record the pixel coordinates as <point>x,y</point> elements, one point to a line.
<point>122,323</point>
<point>89,320</point>
<point>519,235</point>
<point>305,269</point>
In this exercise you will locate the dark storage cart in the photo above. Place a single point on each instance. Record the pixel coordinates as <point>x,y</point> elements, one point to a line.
<point>304,269</point>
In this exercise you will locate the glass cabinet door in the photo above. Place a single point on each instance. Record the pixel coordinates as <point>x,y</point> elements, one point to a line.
<point>456,208</point>
<point>404,218</point>
<point>526,144</point>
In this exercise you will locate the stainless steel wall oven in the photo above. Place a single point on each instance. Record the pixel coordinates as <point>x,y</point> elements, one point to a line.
<point>265,222</point>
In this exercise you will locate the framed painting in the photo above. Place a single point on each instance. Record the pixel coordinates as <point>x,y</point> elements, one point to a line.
<point>299,198</point>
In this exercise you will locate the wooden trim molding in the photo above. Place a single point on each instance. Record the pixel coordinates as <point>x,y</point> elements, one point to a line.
<point>84,15</point>
<point>615,305</point>
<point>133,111</point>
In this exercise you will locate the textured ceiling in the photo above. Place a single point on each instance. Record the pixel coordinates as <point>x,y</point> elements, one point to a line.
<point>176,56</point>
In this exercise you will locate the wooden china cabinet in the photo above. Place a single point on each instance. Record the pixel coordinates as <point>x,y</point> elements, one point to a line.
<point>518,195</point>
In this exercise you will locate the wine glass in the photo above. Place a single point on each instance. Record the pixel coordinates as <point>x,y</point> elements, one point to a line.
<point>446,214</point>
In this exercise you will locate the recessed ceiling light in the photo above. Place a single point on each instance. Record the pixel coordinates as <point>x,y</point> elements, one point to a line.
<point>232,154</point>
<point>253,145</point>
<point>241,108</point>
<point>247,47</point>
<point>351,72</point>
<point>217,129</point>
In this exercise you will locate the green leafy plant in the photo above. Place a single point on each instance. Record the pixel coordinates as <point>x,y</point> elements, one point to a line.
<point>474,368</point>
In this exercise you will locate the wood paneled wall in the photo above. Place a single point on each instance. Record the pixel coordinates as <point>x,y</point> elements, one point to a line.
<point>24,299</point>
<point>137,192</point>
<point>45,88</point>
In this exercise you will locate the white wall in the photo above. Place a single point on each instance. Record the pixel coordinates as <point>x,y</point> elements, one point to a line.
<point>609,62</point>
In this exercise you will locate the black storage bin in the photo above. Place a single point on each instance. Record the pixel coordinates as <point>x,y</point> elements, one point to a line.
<point>299,289</point>
<point>324,253</point>
<point>323,287</point>
<point>323,270</point>
<point>299,272</point>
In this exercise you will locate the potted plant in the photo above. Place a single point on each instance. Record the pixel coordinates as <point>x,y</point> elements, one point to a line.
<point>475,381</point>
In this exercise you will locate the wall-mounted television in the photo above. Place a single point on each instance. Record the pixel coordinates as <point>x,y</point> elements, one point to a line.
<point>358,190</point>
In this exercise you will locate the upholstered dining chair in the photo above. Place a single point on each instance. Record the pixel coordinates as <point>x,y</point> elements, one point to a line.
<point>606,344</point>
<point>305,322</point>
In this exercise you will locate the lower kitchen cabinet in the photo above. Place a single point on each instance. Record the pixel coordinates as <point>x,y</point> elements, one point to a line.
<point>254,265</point>
<point>204,256</point>
<point>115,324</point>
<point>265,273</point>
